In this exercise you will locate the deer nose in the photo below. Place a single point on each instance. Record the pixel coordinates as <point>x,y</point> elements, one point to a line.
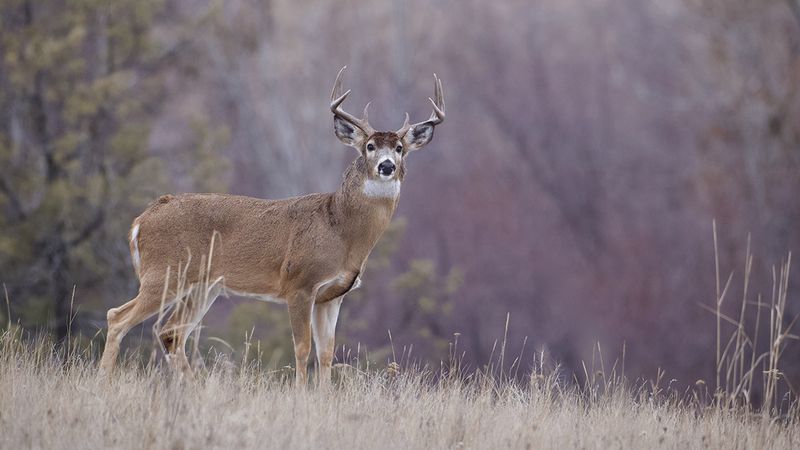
<point>386,168</point>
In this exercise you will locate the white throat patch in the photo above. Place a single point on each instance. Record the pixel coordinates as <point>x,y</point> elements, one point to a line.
<point>382,189</point>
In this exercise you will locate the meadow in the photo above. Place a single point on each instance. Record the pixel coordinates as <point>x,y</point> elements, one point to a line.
<point>52,397</point>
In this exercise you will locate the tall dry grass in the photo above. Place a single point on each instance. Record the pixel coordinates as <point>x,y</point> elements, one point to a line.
<point>52,397</point>
<point>745,368</point>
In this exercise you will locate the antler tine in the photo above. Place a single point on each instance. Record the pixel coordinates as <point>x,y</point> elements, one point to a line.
<point>366,112</point>
<point>441,93</point>
<point>437,116</point>
<point>337,85</point>
<point>336,103</point>
<point>406,126</point>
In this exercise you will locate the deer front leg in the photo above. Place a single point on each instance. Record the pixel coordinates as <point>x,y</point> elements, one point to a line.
<point>324,324</point>
<point>300,307</point>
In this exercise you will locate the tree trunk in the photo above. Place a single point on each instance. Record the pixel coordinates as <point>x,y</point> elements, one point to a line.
<point>61,291</point>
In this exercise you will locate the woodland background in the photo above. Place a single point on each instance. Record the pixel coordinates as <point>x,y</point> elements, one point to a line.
<point>588,147</point>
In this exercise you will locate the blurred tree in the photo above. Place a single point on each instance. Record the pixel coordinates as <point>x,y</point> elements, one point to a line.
<point>749,164</point>
<point>426,297</point>
<point>72,142</point>
<point>422,298</point>
<point>265,325</point>
<point>78,83</point>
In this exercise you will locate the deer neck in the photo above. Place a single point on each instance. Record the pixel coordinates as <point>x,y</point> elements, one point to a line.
<point>364,207</point>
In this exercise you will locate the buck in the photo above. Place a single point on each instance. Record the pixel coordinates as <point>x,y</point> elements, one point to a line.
<point>306,252</point>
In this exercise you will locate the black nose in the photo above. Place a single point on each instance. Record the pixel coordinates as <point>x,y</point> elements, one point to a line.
<point>386,168</point>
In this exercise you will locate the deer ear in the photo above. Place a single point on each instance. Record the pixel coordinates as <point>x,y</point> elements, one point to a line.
<point>419,135</point>
<point>348,133</point>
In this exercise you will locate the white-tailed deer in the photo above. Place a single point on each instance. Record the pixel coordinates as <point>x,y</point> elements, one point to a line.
<point>306,252</point>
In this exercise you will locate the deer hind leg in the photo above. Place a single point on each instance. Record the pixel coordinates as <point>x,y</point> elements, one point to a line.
<point>120,321</point>
<point>323,322</point>
<point>184,319</point>
<point>300,306</point>
<point>173,336</point>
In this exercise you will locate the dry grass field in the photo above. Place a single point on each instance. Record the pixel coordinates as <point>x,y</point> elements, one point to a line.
<point>53,397</point>
<point>51,402</point>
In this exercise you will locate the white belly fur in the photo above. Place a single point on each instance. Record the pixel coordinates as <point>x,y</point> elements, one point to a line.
<point>259,297</point>
<point>272,299</point>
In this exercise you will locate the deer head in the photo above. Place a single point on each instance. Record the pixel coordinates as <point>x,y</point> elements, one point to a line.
<point>383,151</point>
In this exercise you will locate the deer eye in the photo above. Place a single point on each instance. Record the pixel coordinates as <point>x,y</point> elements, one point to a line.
<point>370,147</point>
<point>399,149</point>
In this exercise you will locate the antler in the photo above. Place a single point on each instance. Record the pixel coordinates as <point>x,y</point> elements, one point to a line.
<point>336,101</point>
<point>437,116</point>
